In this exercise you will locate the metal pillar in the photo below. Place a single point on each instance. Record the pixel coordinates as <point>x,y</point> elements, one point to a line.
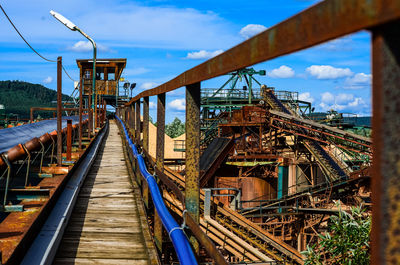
<point>59,111</point>
<point>69,140</point>
<point>133,122</point>
<point>137,134</point>
<point>80,108</point>
<point>158,228</point>
<point>146,123</point>
<point>386,138</point>
<point>192,168</point>
<point>90,130</point>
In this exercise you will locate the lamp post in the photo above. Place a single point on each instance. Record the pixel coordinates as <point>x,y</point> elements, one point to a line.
<point>73,27</point>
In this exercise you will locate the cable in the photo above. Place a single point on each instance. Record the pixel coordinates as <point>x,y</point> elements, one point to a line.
<point>65,71</point>
<point>22,37</point>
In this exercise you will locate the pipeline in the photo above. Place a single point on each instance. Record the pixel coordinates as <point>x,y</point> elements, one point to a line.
<point>178,238</point>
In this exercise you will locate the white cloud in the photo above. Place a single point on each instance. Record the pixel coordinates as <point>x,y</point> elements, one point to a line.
<point>148,85</point>
<point>281,72</point>
<point>328,72</point>
<point>328,98</point>
<point>178,104</point>
<point>359,80</point>
<point>86,46</point>
<point>251,29</point>
<point>48,80</point>
<point>203,54</point>
<point>152,105</point>
<point>343,102</point>
<point>343,99</point>
<point>306,96</point>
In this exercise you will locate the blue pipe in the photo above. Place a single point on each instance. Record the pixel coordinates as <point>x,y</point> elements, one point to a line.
<point>178,238</point>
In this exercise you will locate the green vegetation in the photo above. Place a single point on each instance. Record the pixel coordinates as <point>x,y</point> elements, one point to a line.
<point>175,128</point>
<point>347,240</point>
<point>18,97</point>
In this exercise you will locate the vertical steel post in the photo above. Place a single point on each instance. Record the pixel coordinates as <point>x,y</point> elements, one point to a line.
<point>59,111</point>
<point>69,140</point>
<point>80,108</point>
<point>137,136</point>
<point>133,127</point>
<point>90,115</point>
<point>146,123</point>
<point>192,168</point>
<point>385,233</point>
<point>158,228</point>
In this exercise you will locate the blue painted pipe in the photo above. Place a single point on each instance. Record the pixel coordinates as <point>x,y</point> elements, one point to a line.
<point>180,241</point>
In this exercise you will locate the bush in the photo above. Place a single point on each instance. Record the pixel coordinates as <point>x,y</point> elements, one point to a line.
<point>346,242</point>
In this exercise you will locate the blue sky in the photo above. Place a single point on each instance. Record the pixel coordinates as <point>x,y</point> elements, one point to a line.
<point>162,39</point>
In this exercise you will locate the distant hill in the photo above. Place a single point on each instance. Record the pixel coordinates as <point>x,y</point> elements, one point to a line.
<point>18,97</point>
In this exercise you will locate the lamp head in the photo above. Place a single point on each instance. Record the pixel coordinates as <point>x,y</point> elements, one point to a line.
<point>63,20</point>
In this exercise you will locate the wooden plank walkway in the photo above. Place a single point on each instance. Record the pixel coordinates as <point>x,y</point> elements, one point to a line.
<point>106,226</point>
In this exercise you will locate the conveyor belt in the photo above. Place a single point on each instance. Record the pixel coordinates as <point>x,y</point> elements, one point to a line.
<point>327,163</point>
<point>11,137</point>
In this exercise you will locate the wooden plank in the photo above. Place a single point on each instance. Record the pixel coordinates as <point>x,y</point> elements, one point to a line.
<point>105,226</point>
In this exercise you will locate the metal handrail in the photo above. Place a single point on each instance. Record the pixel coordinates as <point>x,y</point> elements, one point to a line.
<point>288,37</point>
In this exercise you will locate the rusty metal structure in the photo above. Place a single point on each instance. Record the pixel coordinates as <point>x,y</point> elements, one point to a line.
<point>264,187</point>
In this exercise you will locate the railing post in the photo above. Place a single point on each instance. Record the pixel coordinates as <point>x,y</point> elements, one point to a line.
<point>59,111</point>
<point>192,167</point>
<point>133,122</point>
<point>158,228</point>
<point>137,134</point>
<point>69,140</point>
<point>146,123</point>
<point>385,136</point>
<point>80,109</point>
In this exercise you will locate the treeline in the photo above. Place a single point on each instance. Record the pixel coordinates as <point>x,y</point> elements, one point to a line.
<point>18,97</point>
<point>174,129</point>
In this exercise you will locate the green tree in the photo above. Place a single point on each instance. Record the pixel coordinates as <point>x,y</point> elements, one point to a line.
<point>346,242</point>
<point>175,128</point>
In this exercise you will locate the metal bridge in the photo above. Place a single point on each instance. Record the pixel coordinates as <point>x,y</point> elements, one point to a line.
<point>87,191</point>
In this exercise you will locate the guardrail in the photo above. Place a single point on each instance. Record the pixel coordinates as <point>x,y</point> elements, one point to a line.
<point>322,22</point>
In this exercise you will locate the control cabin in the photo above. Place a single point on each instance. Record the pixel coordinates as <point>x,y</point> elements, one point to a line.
<point>108,72</point>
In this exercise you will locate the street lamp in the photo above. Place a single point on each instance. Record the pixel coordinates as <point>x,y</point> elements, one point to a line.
<point>73,27</point>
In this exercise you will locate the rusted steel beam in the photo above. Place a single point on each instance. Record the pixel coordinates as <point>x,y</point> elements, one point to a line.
<point>386,138</point>
<point>146,123</point>
<point>137,123</point>
<point>204,240</point>
<point>59,111</point>
<point>158,228</point>
<point>90,129</point>
<point>322,22</point>
<point>80,109</point>
<point>69,140</point>
<point>192,166</point>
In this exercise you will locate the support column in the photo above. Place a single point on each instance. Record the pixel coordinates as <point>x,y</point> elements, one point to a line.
<point>133,121</point>
<point>158,228</point>
<point>385,233</point>
<point>69,141</point>
<point>137,134</point>
<point>59,111</point>
<point>80,109</point>
<point>146,123</point>
<point>192,168</point>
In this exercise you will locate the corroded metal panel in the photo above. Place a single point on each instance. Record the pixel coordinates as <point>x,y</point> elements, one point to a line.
<point>386,140</point>
<point>192,167</point>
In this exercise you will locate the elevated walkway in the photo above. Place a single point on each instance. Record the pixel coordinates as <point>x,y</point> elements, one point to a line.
<point>106,226</point>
